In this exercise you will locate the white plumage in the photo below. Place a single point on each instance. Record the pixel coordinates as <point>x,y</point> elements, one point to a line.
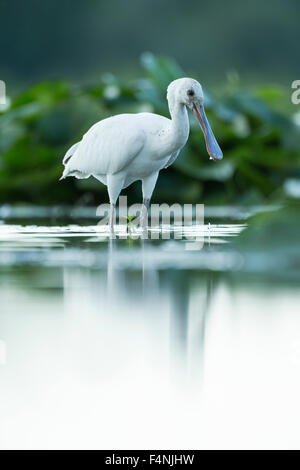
<point>122,149</point>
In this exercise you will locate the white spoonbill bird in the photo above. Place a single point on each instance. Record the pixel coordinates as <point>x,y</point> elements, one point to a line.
<point>128,147</point>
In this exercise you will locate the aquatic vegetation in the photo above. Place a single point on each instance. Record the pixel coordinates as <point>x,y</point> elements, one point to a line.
<point>270,244</point>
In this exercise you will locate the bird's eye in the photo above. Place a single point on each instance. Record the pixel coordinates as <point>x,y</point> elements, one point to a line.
<point>190,92</point>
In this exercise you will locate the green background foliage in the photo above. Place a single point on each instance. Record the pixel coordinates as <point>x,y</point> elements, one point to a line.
<point>254,127</point>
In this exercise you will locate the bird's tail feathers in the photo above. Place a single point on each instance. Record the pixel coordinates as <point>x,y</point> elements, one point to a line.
<point>64,175</point>
<point>67,158</point>
<point>70,153</point>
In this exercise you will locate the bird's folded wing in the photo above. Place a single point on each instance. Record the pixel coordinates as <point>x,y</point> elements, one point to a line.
<point>109,146</point>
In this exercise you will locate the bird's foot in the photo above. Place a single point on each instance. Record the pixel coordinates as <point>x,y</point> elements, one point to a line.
<point>140,221</point>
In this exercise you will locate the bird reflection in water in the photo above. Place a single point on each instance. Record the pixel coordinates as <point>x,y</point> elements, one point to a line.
<point>172,305</point>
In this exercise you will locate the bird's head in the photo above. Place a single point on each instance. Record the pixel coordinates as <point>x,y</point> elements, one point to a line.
<point>188,92</point>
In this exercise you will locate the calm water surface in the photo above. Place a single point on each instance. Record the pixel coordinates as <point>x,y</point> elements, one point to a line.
<point>142,344</point>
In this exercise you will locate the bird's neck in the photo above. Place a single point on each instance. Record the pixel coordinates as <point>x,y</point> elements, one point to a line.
<point>179,127</point>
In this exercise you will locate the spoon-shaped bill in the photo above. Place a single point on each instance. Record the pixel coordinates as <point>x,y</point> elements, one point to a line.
<point>212,145</point>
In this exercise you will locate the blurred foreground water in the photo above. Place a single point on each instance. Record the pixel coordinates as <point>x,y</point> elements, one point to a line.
<point>145,344</point>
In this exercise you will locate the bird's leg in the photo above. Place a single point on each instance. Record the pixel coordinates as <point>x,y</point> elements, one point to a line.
<point>141,220</point>
<point>148,185</point>
<point>112,218</point>
<point>114,186</point>
<point>144,212</point>
<point>144,217</point>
